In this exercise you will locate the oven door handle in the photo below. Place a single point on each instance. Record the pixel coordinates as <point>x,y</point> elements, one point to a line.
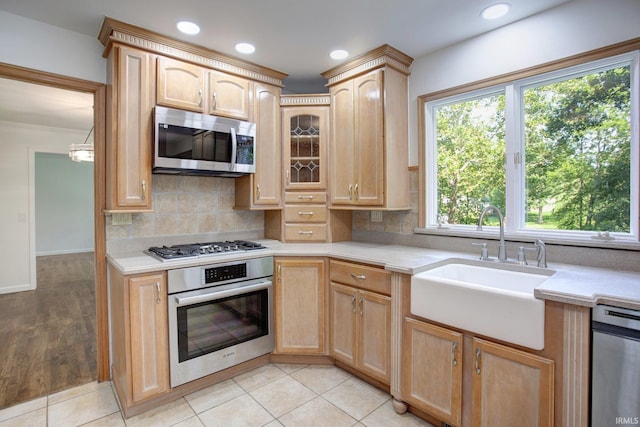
<point>182,301</point>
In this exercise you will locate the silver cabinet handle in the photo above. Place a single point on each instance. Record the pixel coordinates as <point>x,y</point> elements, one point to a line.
<point>305,232</point>
<point>215,100</point>
<point>477,360</point>
<point>157,292</point>
<point>353,303</point>
<point>305,212</point>
<point>357,196</point>
<point>361,308</point>
<point>350,192</point>
<point>279,270</point>
<point>200,95</point>
<point>454,348</point>
<point>144,189</point>
<point>305,197</point>
<point>258,191</point>
<point>358,276</point>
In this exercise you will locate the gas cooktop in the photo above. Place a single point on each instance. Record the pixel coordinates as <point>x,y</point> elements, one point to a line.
<point>201,250</point>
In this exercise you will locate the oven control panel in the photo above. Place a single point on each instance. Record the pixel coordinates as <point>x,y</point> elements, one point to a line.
<point>227,272</point>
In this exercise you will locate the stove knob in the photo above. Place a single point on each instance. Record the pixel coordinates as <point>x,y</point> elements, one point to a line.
<point>235,247</point>
<point>217,248</point>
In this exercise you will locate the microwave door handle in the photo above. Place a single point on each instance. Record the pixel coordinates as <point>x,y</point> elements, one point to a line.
<point>234,150</point>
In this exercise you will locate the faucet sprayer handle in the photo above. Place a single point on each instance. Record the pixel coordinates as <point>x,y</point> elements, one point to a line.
<point>484,251</point>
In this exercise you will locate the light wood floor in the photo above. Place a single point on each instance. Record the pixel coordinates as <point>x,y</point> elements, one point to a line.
<point>47,340</point>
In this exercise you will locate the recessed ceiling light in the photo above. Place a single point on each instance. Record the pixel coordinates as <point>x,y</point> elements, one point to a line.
<point>496,11</point>
<point>339,54</point>
<point>188,27</point>
<point>245,48</point>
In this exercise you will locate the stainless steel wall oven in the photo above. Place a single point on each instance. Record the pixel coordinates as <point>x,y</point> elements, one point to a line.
<point>219,315</point>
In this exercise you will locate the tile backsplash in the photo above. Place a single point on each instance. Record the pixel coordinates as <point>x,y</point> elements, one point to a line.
<point>189,205</point>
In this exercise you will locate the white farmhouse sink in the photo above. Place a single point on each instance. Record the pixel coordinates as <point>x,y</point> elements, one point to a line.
<point>494,300</point>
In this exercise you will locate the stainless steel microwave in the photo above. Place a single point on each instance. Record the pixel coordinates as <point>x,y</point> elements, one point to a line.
<point>190,143</point>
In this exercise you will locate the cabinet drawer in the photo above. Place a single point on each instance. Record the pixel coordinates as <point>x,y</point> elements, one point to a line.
<point>306,213</point>
<point>305,197</point>
<point>361,276</point>
<point>305,232</point>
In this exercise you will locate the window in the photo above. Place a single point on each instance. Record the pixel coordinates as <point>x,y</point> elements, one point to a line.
<point>556,153</point>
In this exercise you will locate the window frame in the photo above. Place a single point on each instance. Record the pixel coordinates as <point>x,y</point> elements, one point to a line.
<point>512,85</point>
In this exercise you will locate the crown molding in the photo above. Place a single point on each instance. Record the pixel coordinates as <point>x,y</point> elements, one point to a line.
<point>307,100</point>
<point>383,56</point>
<point>121,32</point>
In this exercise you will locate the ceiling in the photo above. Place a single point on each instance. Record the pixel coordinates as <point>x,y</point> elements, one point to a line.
<point>292,36</point>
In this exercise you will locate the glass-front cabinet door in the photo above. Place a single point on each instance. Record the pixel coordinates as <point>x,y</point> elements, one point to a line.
<point>305,144</point>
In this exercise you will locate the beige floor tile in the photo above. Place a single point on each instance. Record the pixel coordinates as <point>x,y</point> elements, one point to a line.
<point>213,396</point>
<point>317,413</point>
<point>283,395</point>
<point>289,368</point>
<point>83,408</point>
<point>241,411</point>
<point>274,423</point>
<point>162,416</point>
<point>23,408</point>
<point>190,422</point>
<point>385,416</point>
<point>77,391</point>
<point>258,377</point>
<point>356,398</point>
<point>113,420</point>
<point>321,378</point>
<point>37,418</point>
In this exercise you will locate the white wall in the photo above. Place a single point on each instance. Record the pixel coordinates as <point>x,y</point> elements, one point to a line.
<point>17,217</point>
<point>32,44</point>
<point>63,204</point>
<point>570,29</point>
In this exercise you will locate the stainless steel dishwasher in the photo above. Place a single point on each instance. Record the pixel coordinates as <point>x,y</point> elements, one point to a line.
<point>615,369</point>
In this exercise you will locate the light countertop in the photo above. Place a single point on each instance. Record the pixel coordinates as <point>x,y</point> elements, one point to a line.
<point>571,284</point>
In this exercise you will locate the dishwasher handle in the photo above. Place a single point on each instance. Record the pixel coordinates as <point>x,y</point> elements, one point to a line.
<point>616,316</point>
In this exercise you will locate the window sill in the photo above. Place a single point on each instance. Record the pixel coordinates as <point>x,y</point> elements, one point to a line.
<point>492,233</point>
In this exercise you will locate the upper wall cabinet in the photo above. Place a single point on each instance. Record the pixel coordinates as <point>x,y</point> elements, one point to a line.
<point>368,149</point>
<point>131,77</point>
<point>229,95</point>
<point>191,87</point>
<point>180,85</point>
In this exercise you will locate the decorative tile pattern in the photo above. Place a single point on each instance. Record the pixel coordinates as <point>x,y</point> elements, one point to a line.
<point>273,395</point>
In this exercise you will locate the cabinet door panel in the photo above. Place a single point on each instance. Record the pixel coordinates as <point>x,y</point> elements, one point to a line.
<point>267,179</point>
<point>374,353</point>
<point>180,85</point>
<point>511,387</point>
<point>343,323</point>
<point>432,370</point>
<point>369,135</point>
<point>228,95</point>
<point>149,336</point>
<point>129,151</point>
<point>300,306</point>
<point>342,144</point>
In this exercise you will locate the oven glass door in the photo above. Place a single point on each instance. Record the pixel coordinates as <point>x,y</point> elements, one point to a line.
<point>209,326</point>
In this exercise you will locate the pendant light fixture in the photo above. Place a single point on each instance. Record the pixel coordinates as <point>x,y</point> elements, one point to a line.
<point>82,152</point>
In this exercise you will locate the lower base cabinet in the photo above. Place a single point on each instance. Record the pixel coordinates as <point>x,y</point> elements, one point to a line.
<point>510,387</point>
<point>361,319</point>
<point>140,334</point>
<point>300,306</point>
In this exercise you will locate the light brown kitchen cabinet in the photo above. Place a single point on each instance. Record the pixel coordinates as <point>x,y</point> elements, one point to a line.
<point>301,295</point>
<point>131,77</point>
<point>369,132</point>
<point>228,95</point>
<point>432,370</point>
<point>181,85</point>
<point>361,318</point>
<point>140,336</point>
<point>304,142</point>
<point>511,387</point>
<point>263,189</point>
